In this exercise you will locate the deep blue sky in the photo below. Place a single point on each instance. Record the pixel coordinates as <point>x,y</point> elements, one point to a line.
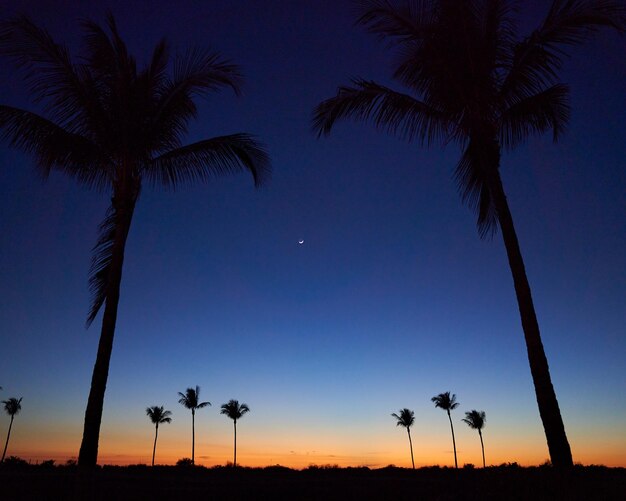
<point>391,299</point>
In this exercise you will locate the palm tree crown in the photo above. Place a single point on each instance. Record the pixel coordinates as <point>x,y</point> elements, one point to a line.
<point>158,415</point>
<point>115,127</point>
<point>472,80</point>
<point>475,419</point>
<point>406,418</point>
<point>445,401</point>
<point>234,410</point>
<point>12,406</point>
<point>190,399</point>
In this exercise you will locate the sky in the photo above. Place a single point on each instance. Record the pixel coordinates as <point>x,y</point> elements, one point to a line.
<point>391,299</point>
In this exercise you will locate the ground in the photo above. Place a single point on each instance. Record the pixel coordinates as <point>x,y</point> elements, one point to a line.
<point>505,482</point>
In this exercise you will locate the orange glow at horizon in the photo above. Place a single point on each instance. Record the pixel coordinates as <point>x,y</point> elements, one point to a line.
<point>380,451</point>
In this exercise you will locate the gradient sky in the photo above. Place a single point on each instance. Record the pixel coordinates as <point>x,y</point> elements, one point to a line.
<point>392,298</point>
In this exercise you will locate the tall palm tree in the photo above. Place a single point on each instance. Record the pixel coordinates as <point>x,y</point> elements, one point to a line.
<point>476,420</point>
<point>190,399</point>
<point>12,406</point>
<point>115,128</point>
<point>447,403</point>
<point>157,415</point>
<point>234,411</point>
<point>406,418</point>
<point>471,80</point>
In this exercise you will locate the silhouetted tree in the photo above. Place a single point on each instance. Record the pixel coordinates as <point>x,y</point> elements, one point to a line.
<point>406,418</point>
<point>476,420</point>
<point>447,403</point>
<point>113,127</point>
<point>234,411</point>
<point>190,399</point>
<point>472,81</point>
<point>12,406</point>
<point>157,415</point>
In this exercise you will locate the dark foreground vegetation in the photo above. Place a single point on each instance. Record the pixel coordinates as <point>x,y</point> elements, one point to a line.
<point>511,482</point>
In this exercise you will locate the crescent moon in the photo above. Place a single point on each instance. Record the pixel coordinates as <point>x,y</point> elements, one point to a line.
<point>300,242</point>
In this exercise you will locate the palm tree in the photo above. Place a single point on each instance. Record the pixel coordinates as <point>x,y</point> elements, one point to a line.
<point>476,420</point>
<point>115,128</point>
<point>472,81</point>
<point>190,399</point>
<point>12,406</point>
<point>447,403</point>
<point>157,415</point>
<point>406,418</point>
<point>234,411</point>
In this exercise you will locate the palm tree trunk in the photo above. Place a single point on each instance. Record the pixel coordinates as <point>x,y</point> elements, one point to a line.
<point>193,435</point>
<point>453,441</point>
<point>7,442</point>
<point>88,455</point>
<point>482,446</point>
<point>156,434</point>
<point>411,447</point>
<point>560,453</point>
<point>235,458</point>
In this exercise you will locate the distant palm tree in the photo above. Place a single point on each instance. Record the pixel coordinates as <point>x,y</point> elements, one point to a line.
<point>158,415</point>
<point>471,80</point>
<point>406,419</point>
<point>447,403</point>
<point>190,400</point>
<point>234,411</point>
<point>476,420</point>
<point>12,406</point>
<point>118,128</point>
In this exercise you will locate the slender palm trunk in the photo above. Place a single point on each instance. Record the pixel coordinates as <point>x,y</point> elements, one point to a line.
<point>235,458</point>
<point>453,441</point>
<point>156,434</point>
<point>193,435</point>
<point>482,446</point>
<point>88,455</point>
<point>560,452</point>
<point>7,442</point>
<point>411,447</point>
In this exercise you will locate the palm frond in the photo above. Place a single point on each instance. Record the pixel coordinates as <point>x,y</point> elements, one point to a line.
<point>207,159</point>
<point>101,263</point>
<point>49,71</point>
<point>571,22</point>
<point>471,177</point>
<point>195,73</point>
<point>200,71</point>
<point>54,147</point>
<point>398,114</point>
<point>407,21</point>
<point>534,115</point>
<point>536,59</point>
